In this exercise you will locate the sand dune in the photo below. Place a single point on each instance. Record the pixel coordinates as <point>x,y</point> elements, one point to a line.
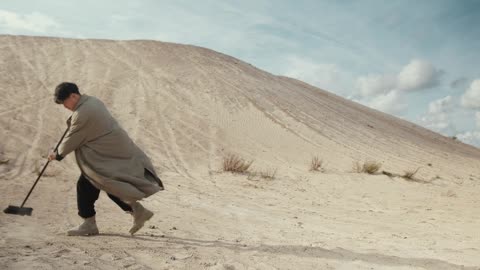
<point>188,107</point>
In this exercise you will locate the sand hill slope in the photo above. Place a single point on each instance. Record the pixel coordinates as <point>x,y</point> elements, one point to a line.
<point>188,107</point>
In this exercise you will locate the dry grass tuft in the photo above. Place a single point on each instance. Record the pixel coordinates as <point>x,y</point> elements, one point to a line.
<point>266,174</point>
<point>233,163</point>
<point>4,161</point>
<point>316,164</point>
<point>369,167</point>
<point>389,174</point>
<point>269,174</point>
<point>409,174</point>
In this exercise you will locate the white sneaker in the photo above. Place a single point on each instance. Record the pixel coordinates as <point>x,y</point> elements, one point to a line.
<point>88,227</point>
<point>140,216</point>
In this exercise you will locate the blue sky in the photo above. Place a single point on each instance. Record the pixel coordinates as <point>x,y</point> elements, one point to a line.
<point>418,60</point>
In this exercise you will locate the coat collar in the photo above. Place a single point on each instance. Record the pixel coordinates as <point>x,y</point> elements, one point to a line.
<point>82,100</point>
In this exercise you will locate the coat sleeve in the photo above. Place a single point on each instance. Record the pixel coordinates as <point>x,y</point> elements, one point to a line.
<point>77,134</point>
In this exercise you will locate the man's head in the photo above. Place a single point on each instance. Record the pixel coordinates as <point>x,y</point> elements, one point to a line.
<point>67,94</point>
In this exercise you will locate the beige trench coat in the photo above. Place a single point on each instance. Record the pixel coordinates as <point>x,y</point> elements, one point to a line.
<point>106,155</point>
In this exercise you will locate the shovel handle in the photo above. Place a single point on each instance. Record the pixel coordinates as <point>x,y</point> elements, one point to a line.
<point>44,167</point>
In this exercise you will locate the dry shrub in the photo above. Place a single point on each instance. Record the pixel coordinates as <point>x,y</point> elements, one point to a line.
<point>316,164</point>
<point>369,167</point>
<point>389,174</point>
<point>266,174</point>
<point>233,163</point>
<point>4,161</point>
<point>409,174</point>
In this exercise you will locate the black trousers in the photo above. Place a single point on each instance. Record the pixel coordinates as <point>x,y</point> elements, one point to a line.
<point>87,194</point>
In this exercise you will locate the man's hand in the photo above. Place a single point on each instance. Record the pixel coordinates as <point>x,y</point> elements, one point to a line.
<point>52,156</point>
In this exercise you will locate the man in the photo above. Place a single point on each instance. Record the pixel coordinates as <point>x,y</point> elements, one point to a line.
<point>108,160</point>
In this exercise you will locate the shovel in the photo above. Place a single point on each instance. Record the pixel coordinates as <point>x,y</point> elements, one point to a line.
<point>27,211</point>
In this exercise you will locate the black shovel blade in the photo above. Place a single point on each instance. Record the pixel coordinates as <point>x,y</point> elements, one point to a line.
<point>15,210</point>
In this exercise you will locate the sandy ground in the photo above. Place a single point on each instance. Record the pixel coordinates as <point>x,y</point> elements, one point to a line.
<point>188,107</point>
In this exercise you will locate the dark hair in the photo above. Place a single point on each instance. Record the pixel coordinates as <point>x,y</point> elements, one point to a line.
<point>64,90</point>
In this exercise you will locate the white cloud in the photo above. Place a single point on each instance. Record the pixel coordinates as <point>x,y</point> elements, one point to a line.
<point>384,92</point>
<point>442,105</point>
<point>438,122</point>
<point>438,116</point>
<point>443,116</point>
<point>470,137</point>
<point>34,22</point>
<point>389,103</point>
<point>477,118</point>
<point>418,75</point>
<point>325,76</point>
<point>471,97</point>
<point>375,84</point>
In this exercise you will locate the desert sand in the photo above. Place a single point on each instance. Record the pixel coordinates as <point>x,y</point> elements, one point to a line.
<point>188,107</point>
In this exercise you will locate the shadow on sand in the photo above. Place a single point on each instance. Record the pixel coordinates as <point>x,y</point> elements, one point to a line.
<point>302,251</point>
